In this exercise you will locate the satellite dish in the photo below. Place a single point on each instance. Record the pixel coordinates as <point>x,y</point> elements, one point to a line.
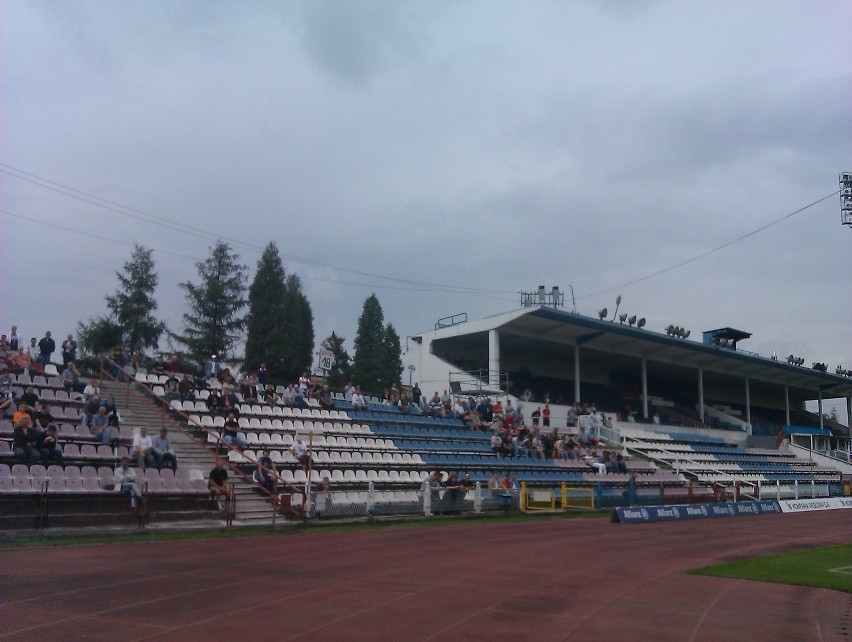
<point>641,322</point>
<point>602,313</point>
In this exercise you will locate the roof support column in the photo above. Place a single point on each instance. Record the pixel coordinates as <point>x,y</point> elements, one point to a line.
<point>787,404</point>
<point>576,373</point>
<point>494,359</point>
<point>819,402</point>
<point>701,394</point>
<point>748,406</point>
<point>849,415</point>
<point>644,389</point>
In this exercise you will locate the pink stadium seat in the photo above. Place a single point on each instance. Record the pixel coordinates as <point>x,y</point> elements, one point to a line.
<point>5,448</point>
<point>24,485</point>
<point>88,451</point>
<point>105,452</point>
<point>6,485</point>
<point>71,450</point>
<point>56,485</point>
<point>72,472</point>
<point>5,471</point>
<point>74,484</point>
<point>88,472</point>
<point>92,485</point>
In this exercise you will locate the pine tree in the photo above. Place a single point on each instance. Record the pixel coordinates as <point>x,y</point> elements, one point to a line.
<point>392,358</point>
<point>214,322</point>
<point>280,321</point>
<point>130,320</point>
<point>341,370</point>
<point>368,370</point>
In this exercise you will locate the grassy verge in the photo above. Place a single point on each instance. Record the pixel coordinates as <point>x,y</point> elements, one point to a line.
<point>829,567</point>
<point>46,538</point>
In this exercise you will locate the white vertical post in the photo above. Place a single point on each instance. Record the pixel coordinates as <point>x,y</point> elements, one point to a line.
<point>576,373</point>
<point>849,415</point>
<point>796,486</point>
<point>787,403</point>
<point>819,400</point>
<point>701,394</point>
<point>748,406</point>
<point>477,498</point>
<point>371,496</point>
<point>494,359</point>
<point>427,497</point>
<point>644,388</point>
<point>778,489</point>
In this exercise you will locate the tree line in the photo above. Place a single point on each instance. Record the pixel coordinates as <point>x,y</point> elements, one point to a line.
<point>272,314</point>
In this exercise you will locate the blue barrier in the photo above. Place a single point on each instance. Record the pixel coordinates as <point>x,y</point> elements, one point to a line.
<point>643,514</point>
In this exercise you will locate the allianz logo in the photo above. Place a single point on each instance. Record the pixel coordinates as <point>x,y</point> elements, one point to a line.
<point>722,510</point>
<point>668,512</point>
<point>697,511</point>
<point>636,514</point>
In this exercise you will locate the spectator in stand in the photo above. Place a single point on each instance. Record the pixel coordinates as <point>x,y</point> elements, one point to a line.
<point>48,446</point>
<point>536,446</point>
<point>358,400</point>
<point>262,375</point>
<point>288,396</point>
<point>142,451</point>
<point>100,426</point>
<point>494,484</point>
<point>21,363</point>
<point>571,417</point>
<point>162,450</point>
<point>545,416</point>
<point>497,443</point>
<point>394,394</point>
<point>304,382</point>
<point>42,418</point>
<point>185,389</point>
<point>90,410</point>
<point>69,350</point>
<point>436,405</point>
<point>24,439</point>
<point>91,390</point>
<point>404,403</point>
<point>620,464</point>
<point>7,405</point>
<point>173,365</point>
<point>135,364</point>
<point>348,390</point>
<point>5,348</point>
<point>159,366</point>
<point>71,378</point>
<point>171,388</point>
<point>218,478</point>
<point>112,410</point>
<point>230,401</point>
<point>231,432</point>
<point>242,382</point>
<point>5,381</point>
<point>270,397</point>
<point>486,414</point>
<point>299,400</point>
<point>47,346</point>
<point>265,474</point>
<point>435,491</point>
<point>594,461</point>
<point>30,398</point>
<point>214,401</point>
<point>14,339</point>
<point>33,350</point>
<point>125,480</point>
<point>416,394</point>
<point>300,452</point>
<point>325,399</point>
<point>199,379</point>
<point>212,367</point>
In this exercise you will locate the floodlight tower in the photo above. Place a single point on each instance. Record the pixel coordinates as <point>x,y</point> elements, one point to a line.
<point>846,198</point>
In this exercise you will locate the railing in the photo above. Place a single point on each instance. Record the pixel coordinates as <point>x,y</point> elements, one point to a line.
<point>455,319</point>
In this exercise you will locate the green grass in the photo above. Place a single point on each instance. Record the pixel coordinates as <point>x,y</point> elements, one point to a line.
<point>46,538</point>
<point>812,567</point>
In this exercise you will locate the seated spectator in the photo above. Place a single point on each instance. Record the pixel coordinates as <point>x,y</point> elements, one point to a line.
<point>100,427</point>
<point>621,464</point>
<point>265,474</point>
<point>71,378</point>
<point>404,403</point>
<point>214,401</point>
<point>231,435</point>
<point>29,398</point>
<point>91,390</point>
<point>262,376</point>
<point>299,400</point>
<point>300,452</point>
<point>48,446</point>
<point>230,401</point>
<point>159,366</point>
<point>610,462</point>
<point>21,363</point>
<point>173,365</point>
<point>325,399</point>
<point>596,462</point>
<point>90,410</point>
<point>270,397</point>
<point>536,446</point>
<point>358,400</point>
<point>112,410</point>
<point>171,388</point>
<point>218,478</point>
<point>125,481</point>
<point>162,450</point>
<point>143,450</point>
<point>33,350</point>
<point>288,397</point>
<point>497,444</point>
<point>7,404</point>
<point>199,379</point>
<point>242,382</point>
<point>348,390</point>
<point>24,439</point>
<point>486,414</point>
<point>42,417</point>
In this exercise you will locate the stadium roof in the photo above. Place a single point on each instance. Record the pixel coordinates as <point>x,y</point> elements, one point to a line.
<point>543,330</point>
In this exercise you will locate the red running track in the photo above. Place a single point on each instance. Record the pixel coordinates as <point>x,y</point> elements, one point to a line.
<point>552,579</point>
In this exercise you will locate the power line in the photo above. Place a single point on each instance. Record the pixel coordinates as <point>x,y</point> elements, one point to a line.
<point>711,251</point>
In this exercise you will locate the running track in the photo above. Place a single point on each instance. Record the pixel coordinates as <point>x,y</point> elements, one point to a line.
<point>545,580</point>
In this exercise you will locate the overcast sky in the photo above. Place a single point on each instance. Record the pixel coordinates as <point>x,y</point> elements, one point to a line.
<point>484,148</point>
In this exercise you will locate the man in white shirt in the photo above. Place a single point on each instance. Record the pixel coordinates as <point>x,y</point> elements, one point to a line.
<point>358,400</point>
<point>143,449</point>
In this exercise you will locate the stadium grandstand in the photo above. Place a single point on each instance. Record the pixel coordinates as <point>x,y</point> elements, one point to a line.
<point>533,408</point>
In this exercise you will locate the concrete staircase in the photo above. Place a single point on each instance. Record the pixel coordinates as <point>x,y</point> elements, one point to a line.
<point>137,409</point>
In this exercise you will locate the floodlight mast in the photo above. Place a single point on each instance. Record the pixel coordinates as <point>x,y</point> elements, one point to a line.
<point>846,198</point>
